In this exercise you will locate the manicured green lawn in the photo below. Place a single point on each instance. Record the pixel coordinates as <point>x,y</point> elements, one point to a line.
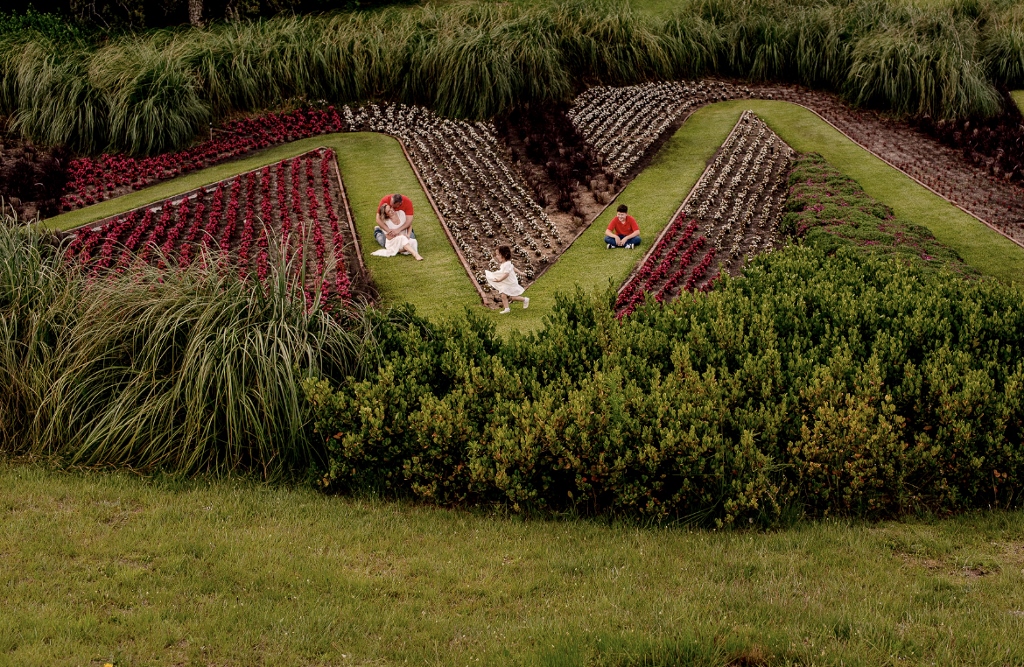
<point>373,165</point>
<point>1018,97</point>
<point>113,568</point>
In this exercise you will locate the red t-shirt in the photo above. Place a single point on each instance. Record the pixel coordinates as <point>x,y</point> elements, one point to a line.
<point>623,227</point>
<point>406,204</point>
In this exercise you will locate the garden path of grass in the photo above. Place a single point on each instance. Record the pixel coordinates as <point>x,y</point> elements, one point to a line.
<point>372,165</point>
<point>111,567</point>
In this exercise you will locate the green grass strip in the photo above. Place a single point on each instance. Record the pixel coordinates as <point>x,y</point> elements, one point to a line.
<point>1018,97</point>
<point>373,165</point>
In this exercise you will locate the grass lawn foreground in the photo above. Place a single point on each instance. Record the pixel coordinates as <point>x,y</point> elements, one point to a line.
<point>102,567</point>
<point>373,165</point>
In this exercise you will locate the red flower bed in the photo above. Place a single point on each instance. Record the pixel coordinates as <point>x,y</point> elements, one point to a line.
<point>667,266</point>
<point>234,223</point>
<point>92,180</point>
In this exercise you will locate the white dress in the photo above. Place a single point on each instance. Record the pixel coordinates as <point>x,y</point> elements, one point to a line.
<point>394,246</point>
<point>510,285</point>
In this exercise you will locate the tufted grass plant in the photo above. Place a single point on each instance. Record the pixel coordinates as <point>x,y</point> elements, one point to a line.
<point>186,371</point>
<point>1004,49</point>
<point>193,371</point>
<point>37,302</point>
<point>149,92</point>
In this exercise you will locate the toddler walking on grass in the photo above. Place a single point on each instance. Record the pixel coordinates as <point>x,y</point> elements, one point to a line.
<point>505,281</point>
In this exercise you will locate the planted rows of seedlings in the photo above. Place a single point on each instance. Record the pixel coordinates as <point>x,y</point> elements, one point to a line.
<point>287,213</point>
<point>732,215</point>
<point>622,122</point>
<point>481,197</point>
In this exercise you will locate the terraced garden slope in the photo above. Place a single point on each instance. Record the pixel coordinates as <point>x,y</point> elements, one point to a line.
<point>654,196</point>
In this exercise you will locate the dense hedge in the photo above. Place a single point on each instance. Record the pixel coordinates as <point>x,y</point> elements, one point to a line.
<point>156,91</point>
<point>816,385</point>
<point>828,210</point>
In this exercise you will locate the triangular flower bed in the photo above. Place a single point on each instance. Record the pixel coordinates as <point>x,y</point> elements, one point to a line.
<point>730,216</point>
<point>240,223</point>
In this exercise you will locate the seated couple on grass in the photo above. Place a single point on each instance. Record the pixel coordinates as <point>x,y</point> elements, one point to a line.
<point>622,232</point>
<point>393,231</point>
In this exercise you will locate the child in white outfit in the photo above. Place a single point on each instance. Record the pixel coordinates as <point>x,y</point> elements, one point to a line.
<point>504,280</point>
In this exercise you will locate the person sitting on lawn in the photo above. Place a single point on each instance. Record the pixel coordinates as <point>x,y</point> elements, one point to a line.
<point>397,241</point>
<point>622,232</point>
<point>505,281</point>
<point>399,203</point>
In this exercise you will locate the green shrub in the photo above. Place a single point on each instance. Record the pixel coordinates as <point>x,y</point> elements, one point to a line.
<point>829,385</point>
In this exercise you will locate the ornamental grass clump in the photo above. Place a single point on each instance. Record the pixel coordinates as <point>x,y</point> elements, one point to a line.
<point>185,370</point>
<point>192,371</point>
<point>149,92</point>
<point>38,301</point>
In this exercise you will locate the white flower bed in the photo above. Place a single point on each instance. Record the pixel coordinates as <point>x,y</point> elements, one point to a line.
<point>738,201</point>
<point>622,122</point>
<point>479,194</point>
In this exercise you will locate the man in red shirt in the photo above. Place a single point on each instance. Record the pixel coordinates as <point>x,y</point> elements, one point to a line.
<point>399,203</point>
<point>622,232</point>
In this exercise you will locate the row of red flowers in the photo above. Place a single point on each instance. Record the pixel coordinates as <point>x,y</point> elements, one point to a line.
<point>667,266</point>
<point>234,222</point>
<point>92,180</point>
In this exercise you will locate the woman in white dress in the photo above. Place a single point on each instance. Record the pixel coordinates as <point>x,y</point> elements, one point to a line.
<point>400,242</point>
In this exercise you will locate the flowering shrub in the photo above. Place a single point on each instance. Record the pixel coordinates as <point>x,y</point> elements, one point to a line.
<point>234,222</point>
<point>888,390</point>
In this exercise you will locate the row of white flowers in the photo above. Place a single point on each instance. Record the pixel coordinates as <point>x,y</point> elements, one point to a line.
<point>621,122</point>
<point>738,201</point>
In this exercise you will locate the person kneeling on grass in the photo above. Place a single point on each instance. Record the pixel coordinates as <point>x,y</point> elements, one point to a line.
<point>622,232</point>
<point>505,281</point>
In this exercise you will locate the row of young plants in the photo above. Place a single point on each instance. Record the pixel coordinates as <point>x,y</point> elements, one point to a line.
<point>153,92</point>
<point>828,210</point>
<point>288,209</point>
<point>818,384</point>
<point>94,179</point>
